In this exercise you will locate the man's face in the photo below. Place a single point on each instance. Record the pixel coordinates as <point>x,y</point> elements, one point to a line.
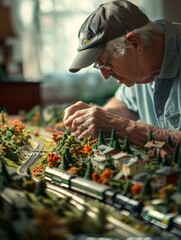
<point>128,69</point>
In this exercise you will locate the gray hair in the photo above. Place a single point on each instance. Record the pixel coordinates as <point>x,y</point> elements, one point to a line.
<point>146,33</point>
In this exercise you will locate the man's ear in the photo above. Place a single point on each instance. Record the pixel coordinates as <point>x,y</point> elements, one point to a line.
<point>135,41</point>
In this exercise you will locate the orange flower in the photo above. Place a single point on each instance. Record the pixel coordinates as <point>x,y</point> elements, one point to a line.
<point>107,173</point>
<point>53,160</point>
<point>106,176</point>
<point>95,177</point>
<point>75,170</point>
<point>87,149</point>
<point>136,188</point>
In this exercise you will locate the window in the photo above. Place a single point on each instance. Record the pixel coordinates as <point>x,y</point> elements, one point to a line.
<point>49,39</point>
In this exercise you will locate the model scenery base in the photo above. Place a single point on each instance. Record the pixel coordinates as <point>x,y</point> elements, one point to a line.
<point>55,186</point>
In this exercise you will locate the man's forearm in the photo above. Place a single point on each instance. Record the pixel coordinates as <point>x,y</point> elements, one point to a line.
<point>138,132</point>
<point>116,107</point>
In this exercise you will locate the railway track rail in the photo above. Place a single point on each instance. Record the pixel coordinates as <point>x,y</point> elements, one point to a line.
<point>122,229</point>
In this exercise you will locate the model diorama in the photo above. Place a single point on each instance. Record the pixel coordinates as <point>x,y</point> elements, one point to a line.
<point>139,184</point>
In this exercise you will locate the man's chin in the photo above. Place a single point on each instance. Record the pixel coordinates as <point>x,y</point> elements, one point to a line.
<point>146,80</point>
<point>130,83</point>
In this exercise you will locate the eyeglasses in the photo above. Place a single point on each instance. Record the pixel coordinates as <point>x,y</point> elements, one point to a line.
<point>106,65</point>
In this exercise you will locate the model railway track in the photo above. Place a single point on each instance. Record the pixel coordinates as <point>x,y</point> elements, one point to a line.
<point>120,228</point>
<point>23,169</point>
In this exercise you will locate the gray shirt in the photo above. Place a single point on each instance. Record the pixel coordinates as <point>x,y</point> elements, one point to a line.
<point>159,103</point>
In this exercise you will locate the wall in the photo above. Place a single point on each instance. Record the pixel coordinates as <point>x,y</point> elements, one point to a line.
<point>167,9</point>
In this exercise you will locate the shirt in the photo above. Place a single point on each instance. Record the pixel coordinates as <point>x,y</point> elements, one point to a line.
<point>159,103</point>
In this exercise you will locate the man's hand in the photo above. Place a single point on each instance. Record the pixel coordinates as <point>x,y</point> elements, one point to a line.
<point>85,120</point>
<point>74,111</point>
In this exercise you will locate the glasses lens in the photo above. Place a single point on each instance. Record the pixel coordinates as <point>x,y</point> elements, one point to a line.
<point>107,64</point>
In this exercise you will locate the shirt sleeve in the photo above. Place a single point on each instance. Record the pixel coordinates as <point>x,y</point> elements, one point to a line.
<point>127,95</point>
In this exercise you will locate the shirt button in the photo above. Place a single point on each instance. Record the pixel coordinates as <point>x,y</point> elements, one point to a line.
<point>159,111</point>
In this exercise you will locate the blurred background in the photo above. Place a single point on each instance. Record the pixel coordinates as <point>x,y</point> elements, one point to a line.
<point>38,40</point>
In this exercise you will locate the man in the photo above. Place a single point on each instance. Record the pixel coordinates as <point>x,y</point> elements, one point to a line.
<point>143,56</point>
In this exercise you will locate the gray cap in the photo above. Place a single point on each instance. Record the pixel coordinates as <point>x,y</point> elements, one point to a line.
<point>109,21</point>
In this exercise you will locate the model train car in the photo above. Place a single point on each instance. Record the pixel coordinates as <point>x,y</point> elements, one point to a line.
<point>112,197</point>
<point>176,226</point>
<point>93,189</point>
<point>78,184</point>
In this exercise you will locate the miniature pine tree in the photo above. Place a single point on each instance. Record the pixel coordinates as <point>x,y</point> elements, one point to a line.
<point>2,117</point>
<point>116,145</point>
<point>43,121</point>
<point>64,138</point>
<point>89,170</point>
<point>101,139</point>
<point>113,138</point>
<point>146,191</point>
<point>176,154</point>
<point>126,145</point>
<point>56,114</point>
<point>169,141</point>
<point>65,164</point>
<point>127,187</point>
<point>159,158</point>
<point>67,155</point>
<point>154,153</point>
<point>110,163</point>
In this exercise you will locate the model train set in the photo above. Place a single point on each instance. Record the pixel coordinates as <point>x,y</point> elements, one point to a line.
<point>140,186</point>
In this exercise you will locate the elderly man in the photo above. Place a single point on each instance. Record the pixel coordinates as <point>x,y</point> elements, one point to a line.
<point>145,58</point>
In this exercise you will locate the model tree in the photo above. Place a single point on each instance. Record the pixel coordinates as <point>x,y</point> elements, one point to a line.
<point>62,142</point>
<point>56,116</point>
<point>127,187</point>
<point>65,163</point>
<point>67,154</point>
<point>110,163</point>
<point>114,139</point>
<point>116,145</point>
<point>146,191</point>
<point>2,117</point>
<point>43,121</point>
<point>101,139</point>
<point>159,158</point>
<point>126,145</point>
<point>89,170</point>
<point>153,154</point>
<point>169,141</point>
